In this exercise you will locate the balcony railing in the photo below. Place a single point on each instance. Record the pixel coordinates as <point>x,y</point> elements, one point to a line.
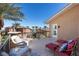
<point>5,45</point>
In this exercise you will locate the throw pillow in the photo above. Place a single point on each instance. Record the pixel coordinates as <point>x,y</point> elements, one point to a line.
<point>63,47</point>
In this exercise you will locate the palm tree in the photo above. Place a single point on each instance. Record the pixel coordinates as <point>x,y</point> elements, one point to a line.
<point>36,27</point>
<point>10,12</point>
<point>16,25</point>
<point>45,27</point>
<point>27,26</point>
<point>33,28</point>
<point>40,28</point>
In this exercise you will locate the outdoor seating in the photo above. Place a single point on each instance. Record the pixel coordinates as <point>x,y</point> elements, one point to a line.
<point>69,51</point>
<point>70,48</point>
<point>20,51</point>
<point>53,46</point>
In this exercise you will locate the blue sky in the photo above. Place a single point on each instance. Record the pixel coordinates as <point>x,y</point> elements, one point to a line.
<point>37,13</point>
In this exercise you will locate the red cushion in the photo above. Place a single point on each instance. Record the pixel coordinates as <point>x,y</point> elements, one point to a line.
<point>70,47</point>
<point>71,44</point>
<point>65,53</point>
<point>52,46</point>
<point>57,52</point>
<point>68,52</point>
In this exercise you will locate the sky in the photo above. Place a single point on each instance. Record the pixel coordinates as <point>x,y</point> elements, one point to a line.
<point>37,13</point>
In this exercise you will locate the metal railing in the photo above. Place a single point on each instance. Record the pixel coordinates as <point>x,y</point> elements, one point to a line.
<point>4,44</point>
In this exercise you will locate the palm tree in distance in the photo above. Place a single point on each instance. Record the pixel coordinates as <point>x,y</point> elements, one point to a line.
<point>33,28</point>
<point>16,25</point>
<point>10,12</point>
<point>45,27</point>
<point>36,27</point>
<point>40,28</point>
<point>27,27</point>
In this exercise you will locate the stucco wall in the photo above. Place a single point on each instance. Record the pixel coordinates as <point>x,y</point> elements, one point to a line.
<point>69,23</point>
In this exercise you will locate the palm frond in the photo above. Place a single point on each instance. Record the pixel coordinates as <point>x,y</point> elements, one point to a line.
<point>11,12</point>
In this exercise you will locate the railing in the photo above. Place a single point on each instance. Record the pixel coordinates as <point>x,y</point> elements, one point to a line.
<point>4,44</point>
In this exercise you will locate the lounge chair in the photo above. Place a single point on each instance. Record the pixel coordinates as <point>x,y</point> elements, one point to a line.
<point>20,51</point>
<point>69,51</point>
<point>53,46</point>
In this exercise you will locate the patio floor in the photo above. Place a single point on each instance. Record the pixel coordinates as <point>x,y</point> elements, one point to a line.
<point>38,47</point>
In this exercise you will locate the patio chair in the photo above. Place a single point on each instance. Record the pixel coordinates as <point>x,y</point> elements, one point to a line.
<point>53,46</point>
<point>20,51</point>
<point>71,50</point>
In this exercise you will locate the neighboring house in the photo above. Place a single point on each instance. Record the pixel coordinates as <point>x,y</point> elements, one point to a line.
<point>25,32</point>
<point>9,29</point>
<point>65,24</point>
<point>42,32</point>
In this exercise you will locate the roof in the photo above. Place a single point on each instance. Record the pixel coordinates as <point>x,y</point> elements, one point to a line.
<point>20,27</point>
<point>68,7</point>
<point>14,32</point>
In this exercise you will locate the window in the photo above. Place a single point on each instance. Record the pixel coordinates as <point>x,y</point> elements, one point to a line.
<point>55,27</point>
<point>54,33</point>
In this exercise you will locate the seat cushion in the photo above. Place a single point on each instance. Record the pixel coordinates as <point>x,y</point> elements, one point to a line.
<point>18,51</point>
<point>52,46</point>
<point>59,53</point>
<point>71,44</point>
<point>63,53</point>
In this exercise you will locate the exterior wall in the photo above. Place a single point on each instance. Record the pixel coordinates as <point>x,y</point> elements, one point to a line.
<point>48,34</point>
<point>26,33</point>
<point>11,30</point>
<point>68,23</point>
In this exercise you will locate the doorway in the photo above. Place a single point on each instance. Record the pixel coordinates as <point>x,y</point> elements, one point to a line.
<point>54,30</point>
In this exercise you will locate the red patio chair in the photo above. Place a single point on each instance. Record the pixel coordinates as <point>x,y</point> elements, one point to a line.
<point>69,51</point>
<point>53,46</point>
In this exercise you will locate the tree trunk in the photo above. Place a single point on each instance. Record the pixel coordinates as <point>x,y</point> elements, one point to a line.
<point>1,25</point>
<point>14,27</point>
